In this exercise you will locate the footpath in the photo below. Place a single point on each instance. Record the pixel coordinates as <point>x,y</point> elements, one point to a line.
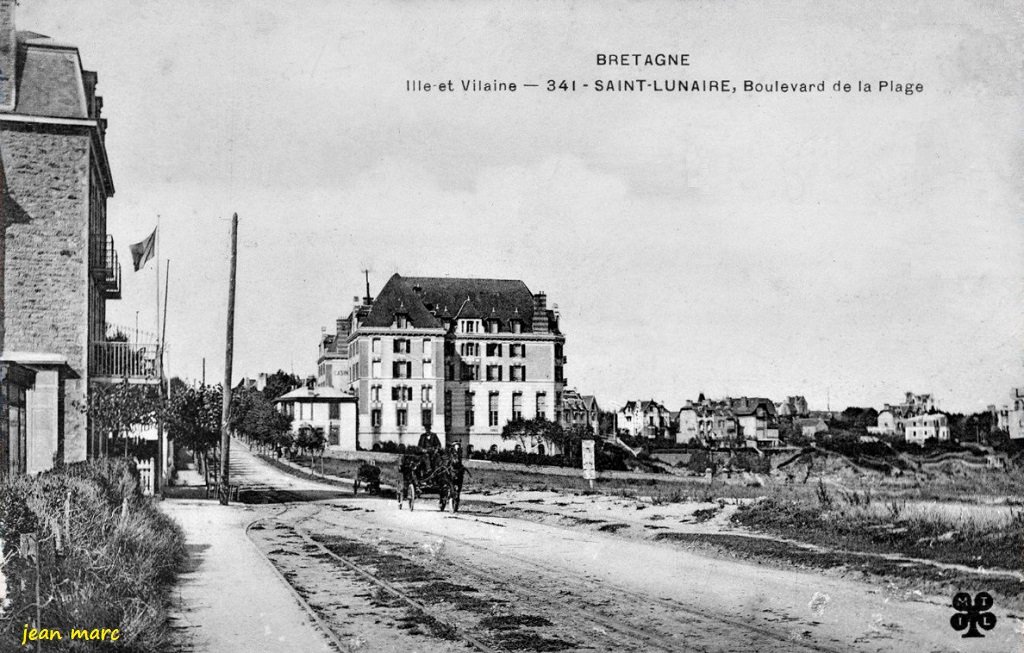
<point>230,599</point>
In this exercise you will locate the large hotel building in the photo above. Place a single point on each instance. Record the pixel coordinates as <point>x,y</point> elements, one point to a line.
<point>458,357</point>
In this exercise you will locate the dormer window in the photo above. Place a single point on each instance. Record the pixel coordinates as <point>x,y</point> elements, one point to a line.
<point>493,325</point>
<point>517,326</point>
<point>401,321</point>
<point>469,326</point>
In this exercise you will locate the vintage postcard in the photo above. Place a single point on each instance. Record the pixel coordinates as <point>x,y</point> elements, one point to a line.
<point>511,326</point>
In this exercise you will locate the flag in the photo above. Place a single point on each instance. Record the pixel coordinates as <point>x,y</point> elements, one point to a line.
<point>143,251</point>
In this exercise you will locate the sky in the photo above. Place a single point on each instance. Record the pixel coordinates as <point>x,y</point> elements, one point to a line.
<point>847,247</point>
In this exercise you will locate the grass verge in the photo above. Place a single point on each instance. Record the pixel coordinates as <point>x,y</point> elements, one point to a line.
<point>107,557</point>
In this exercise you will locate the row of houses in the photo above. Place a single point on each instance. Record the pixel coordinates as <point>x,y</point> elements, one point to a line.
<point>58,264</point>
<point>732,421</point>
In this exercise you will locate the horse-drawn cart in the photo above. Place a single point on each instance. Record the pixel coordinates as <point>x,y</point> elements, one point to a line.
<point>441,474</point>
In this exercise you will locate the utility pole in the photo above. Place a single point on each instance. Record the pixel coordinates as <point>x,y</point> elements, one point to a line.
<point>160,463</point>
<point>225,438</point>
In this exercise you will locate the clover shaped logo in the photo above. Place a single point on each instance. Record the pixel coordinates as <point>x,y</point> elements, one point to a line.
<point>973,614</point>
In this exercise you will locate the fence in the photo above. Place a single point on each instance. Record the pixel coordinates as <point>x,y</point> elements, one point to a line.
<point>145,468</point>
<point>123,359</point>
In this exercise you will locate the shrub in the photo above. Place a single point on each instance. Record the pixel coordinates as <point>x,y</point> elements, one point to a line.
<point>107,556</point>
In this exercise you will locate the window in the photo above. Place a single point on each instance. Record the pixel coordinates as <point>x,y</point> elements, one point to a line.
<point>402,321</point>
<point>376,345</point>
<point>401,346</point>
<point>542,404</point>
<point>517,405</point>
<point>401,369</point>
<point>492,409</point>
<point>334,435</point>
<point>517,326</point>
<point>517,351</point>
<point>448,410</point>
<point>470,372</point>
<point>428,418</point>
<point>375,418</point>
<point>427,392</point>
<point>469,410</point>
<point>517,373</point>
<point>428,349</point>
<point>493,326</point>
<point>428,369</point>
<point>494,372</point>
<point>401,418</point>
<point>493,349</point>
<point>469,326</point>
<point>334,410</point>
<point>401,393</point>
<point>470,349</point>
<point>375,393</point>
<point>559,374</point>
<point>376,370</point>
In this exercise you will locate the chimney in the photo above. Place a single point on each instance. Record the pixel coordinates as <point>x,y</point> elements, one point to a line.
<point>540,313</point>
<point>8,55</point>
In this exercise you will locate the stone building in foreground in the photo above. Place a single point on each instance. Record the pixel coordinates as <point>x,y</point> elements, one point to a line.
<point>59,264</point>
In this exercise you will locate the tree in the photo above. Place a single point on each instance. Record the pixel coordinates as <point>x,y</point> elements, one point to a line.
<point>193,419</point>
<point>115,410</point>
<point>255,417</point>
<point>312,441</point>
<point>531,432</point>
<point>279,383</point>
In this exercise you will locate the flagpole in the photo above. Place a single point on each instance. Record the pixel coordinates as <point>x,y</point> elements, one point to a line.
<point>158,284</point>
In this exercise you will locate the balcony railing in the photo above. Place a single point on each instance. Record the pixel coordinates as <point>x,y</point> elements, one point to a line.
<point>124,360</point>
<point>104,265</point>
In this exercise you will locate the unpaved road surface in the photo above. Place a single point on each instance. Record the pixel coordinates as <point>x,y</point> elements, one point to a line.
<point>377,578</point>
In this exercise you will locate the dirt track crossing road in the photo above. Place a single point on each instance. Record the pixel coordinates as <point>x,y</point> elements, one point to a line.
<point>380,579</point>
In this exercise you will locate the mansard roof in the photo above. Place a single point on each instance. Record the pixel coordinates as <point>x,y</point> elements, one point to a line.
<point>426,300</point>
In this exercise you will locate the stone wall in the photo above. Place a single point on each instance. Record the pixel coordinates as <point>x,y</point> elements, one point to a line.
<point>46,285</point>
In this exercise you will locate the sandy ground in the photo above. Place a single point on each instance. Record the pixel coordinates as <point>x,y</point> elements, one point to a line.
<point>536,585</point>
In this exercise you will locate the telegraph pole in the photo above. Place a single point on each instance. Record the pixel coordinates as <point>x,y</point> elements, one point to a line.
<point>224,486</point>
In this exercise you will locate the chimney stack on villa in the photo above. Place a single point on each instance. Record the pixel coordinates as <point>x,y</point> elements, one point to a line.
<point>540,312</point>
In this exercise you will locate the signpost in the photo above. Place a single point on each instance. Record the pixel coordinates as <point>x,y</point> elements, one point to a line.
<point>589,469</point>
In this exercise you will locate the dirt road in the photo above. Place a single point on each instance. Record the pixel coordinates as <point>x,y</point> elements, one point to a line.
<point>382,579</point>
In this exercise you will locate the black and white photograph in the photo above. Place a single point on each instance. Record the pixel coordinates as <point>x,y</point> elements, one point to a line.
<point>443,326</point>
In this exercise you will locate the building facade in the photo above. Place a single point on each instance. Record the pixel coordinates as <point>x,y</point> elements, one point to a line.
<point>795,406</point>
<point>893,419</point>
<point>707,424</point>
<point>1015,414</point>
<point>928,426</point>
<point>323,409</point>
<point>730,422</point>
<point>649,419</point>
<point>60,266</point>
<point>580,410</point>
<point>454,356</point>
